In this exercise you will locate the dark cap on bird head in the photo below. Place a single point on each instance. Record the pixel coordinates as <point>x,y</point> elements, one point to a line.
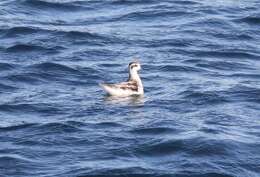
<point>136,61</point>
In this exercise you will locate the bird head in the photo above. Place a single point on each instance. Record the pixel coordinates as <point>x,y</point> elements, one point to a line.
<point>134,66</point>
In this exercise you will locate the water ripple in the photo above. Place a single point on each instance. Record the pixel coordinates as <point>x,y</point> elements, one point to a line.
<point>199,116</point>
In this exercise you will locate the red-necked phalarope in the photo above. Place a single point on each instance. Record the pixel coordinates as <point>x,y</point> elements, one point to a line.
<point>133,86</point>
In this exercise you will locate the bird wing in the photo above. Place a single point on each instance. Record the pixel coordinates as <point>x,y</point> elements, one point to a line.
<point>131,85</point>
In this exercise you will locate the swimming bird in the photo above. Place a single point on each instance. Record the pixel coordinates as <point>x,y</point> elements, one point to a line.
<point>133,86</point>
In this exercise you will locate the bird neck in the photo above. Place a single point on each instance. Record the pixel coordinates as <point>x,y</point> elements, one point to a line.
<point>134,76</point>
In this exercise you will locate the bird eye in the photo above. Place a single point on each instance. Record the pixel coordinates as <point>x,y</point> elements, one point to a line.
<point>133,66</point>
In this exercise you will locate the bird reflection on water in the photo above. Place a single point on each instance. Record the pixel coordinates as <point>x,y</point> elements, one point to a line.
<point>137,100</point>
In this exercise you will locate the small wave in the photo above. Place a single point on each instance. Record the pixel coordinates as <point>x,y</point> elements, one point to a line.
<point>90,71</point>
<point>102,53</point>
<point>83,37</point>
<point>109,65</point>
<point>209,130</point>
<point>161,148</point>
<point>203,98</point>
<point>185,2</point>
<point>6,88</point>
<point>132,2</point>
<point>29,108</point>
<point>250,20</point>
<point>221,119</point>
<point>49,129</point>
<point>195,146</point>
<point>57,5</point>
<point>30,78</point>
<point>243,93</point>
<point>92,37</point>
<point>53,67</point>
<point>49,71</point>
<point>202,174</point>
<point>16,127</point>
<point>13,159</point>
<point>75,123</point>
<point>175,68</point>
<point>223,65</point>
<point>153,131</point>
<point>17,48</point>
<point>167,43</point>
<point>6,66</point>
<point>108,125</point>
<point>14,31</point>
<point>209,147</point>
<point>208,11</point>
<point>195,61</point>
<point>135,16</point>
<point>233,36</point>
<point>58,127</point>
<point>156,174</point>
<point>134,171</point>
<point>245,75</point>
<point>213,22</point>
<point>225,54</point>
<point>81,34</point>
<point>141,172</point>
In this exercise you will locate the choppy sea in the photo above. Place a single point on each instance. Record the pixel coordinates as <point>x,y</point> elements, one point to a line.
<point>199,117</point>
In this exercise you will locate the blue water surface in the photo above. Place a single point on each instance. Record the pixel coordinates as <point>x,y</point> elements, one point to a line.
<point>199,117</point>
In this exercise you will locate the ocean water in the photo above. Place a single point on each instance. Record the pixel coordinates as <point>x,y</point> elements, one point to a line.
<point>199,117</point>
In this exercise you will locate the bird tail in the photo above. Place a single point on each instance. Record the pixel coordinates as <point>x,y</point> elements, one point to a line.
<point>105,87</point>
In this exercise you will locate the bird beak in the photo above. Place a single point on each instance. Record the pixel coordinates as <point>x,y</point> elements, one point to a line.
<point>136,60</point>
